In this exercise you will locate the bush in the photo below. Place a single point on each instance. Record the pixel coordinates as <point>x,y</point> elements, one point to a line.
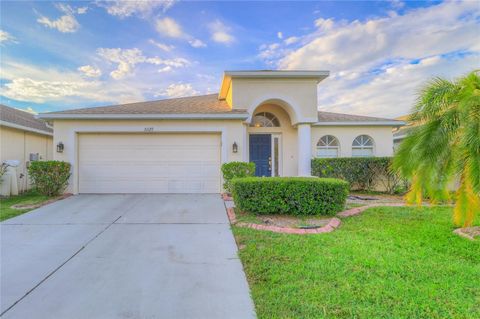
<point>290,195</point>
<point>363,173</point>
<point>49,177</point>
<point>236,169</point>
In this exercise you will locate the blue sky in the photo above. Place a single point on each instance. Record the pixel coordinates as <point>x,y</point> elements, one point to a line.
<point>61,55</point>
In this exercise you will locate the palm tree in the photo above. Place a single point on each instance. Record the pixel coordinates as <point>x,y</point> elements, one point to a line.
<point>445,148</point>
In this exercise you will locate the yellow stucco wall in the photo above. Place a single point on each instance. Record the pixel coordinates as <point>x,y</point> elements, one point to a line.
<point>66,131</point>
<point>238,131</point>
<point>299,94</point>
<point>18,144</point>
<point>382,136</point>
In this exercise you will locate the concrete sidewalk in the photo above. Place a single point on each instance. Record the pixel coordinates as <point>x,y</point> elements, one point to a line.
<point>123,256</point>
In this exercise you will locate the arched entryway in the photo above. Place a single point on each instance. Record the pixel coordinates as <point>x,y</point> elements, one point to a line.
<point>272,141</point>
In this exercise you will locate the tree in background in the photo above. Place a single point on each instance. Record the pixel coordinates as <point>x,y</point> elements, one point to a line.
<point>445,148</point>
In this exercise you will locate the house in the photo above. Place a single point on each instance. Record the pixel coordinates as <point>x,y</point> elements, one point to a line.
<point>399,133</point>
<point>23,138</point>
<point>178,145</point>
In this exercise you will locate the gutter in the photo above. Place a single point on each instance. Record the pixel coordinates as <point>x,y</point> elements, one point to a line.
<point>361,123</point>
<point>24,128</point>
<point>47,116</point>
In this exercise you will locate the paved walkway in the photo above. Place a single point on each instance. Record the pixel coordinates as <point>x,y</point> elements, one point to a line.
<point>123,256</point>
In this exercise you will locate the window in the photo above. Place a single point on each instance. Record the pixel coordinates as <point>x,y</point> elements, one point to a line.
<point>265,119</point>
<point>328,146</point>
<point>362,146</point>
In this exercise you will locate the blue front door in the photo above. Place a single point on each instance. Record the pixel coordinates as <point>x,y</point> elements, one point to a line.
<point>261,153</point>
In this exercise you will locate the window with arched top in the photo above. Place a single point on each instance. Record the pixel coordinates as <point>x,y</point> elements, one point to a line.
<point>265,119</point>
<point>328,147</point>
<point>362,146</point>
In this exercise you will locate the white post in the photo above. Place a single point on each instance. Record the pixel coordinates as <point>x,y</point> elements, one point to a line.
<point>304,149</point>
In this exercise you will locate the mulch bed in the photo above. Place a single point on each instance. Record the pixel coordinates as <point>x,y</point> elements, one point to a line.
<point>468,232</point>
<point>312,225</point>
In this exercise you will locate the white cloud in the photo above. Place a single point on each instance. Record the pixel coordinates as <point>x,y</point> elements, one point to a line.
<point>165,69</point>
<point>127,8</point>
<point>397,4</point>
<point>291,40</point>
<point>271,51</point>
<point>26,89</point>
<point>324,24</point>
<point>279,35</point>
<point>179,90</point>
<point>82,10</point>
<point>393,92</point>
<point>196,43</point>
<point>377,65</point>
<point>67,23</point>
<point>169,27</point>
<point>90,71</point>
<point>35,84</point>
<point>163,46</point>
<point>126,59</point>
<point>220,32</point>
<point>6,37</point>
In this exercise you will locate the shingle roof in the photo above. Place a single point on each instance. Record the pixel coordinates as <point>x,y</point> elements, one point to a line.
<point>202,104</point>
<point>339,117</point>
<point>403,131</point>
<point>22,118</point>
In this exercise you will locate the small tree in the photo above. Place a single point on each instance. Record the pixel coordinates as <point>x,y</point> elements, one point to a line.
<point>445,147</point>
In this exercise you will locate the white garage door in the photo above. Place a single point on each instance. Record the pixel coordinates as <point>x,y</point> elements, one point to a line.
<point>149,163</point>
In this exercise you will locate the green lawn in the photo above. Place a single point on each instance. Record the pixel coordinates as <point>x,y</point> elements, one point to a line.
<point>386,263</point>
<point>27,198</point>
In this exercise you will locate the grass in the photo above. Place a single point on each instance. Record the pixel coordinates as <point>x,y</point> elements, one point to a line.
<point>27,198</point>
<point>386,263</point>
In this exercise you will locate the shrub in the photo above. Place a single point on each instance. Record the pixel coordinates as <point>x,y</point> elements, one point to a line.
<point>363,173</point>
<point>290,195</point>
<point>236,169</point>
<point>49,177</point>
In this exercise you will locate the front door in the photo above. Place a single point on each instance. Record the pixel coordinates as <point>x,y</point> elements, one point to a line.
<point>261,153</point>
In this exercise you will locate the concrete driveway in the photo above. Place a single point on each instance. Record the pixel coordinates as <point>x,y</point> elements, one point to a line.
<point>123,256</point>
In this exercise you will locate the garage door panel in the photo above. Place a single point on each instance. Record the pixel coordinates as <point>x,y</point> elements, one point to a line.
<point>149,163</point>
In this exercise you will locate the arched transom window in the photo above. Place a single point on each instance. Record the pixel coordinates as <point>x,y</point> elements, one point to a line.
<point>328,146</point>
<point>265,119</point>
<point>362,146</point>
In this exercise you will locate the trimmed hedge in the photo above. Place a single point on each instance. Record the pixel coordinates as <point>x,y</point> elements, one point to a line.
<point>49,177</point>
<point>233,170</point>
<point>290,195</point>
<point>363,173</point>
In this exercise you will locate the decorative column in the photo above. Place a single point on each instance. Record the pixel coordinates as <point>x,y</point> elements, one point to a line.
<point>304,143</point>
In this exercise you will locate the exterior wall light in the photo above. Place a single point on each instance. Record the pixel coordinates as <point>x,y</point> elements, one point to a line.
<point>235,147</point>
<point>60,147</point>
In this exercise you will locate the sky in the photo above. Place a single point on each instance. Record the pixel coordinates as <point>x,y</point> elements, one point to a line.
<point>71,54</point>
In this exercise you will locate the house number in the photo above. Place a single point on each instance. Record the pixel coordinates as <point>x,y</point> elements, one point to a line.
<point>148,129</point>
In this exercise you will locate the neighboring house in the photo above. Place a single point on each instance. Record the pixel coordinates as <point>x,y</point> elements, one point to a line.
<point>178,145</point>
<point>400,133</point>
<point>23,138</point>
